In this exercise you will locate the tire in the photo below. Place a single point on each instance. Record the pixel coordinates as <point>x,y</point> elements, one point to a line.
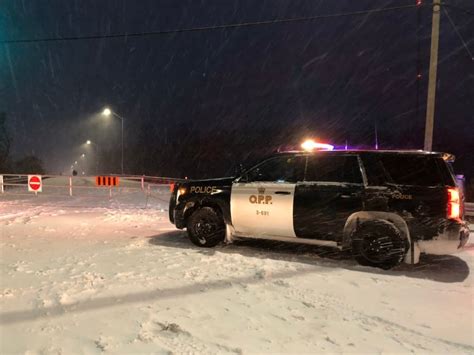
<point>206,227</point>
<point>378,244</point>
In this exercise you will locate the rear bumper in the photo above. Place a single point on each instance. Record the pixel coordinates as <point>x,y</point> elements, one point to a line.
<point>451,241</point>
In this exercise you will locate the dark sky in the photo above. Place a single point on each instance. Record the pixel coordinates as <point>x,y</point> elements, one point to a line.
<point>330,78</point>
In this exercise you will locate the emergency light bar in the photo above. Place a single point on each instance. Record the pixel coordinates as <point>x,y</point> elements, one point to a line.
<point>310,145</point>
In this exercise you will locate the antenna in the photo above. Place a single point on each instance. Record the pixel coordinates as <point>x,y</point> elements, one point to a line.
<point>376,135</point>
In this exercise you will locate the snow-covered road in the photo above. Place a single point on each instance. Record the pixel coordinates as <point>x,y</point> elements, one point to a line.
<point>123,280</point>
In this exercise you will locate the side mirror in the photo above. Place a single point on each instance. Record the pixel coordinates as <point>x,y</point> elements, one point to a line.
<point>239,170</point>
<point>239,173</point>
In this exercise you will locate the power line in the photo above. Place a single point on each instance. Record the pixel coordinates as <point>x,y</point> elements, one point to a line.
<point>459,34</point>
<point>205,28</point>
<point>459,8</point>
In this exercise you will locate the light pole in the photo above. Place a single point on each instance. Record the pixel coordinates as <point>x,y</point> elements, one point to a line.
<point>82,163</point>
<point>89,142</point>
<point>107,112</point>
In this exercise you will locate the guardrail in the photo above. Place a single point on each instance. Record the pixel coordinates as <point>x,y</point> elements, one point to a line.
<point>71,183</point>
<point>130,190</point>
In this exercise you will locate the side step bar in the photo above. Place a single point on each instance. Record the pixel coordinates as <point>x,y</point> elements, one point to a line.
<point>326,243</point>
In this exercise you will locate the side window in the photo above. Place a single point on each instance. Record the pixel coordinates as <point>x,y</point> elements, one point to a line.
<point>406,169</point>
<point>279,169</point>
<point>333,169</point>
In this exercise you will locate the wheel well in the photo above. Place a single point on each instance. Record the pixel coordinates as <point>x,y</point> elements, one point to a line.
<point>195,205</point>
<point>357,219</point>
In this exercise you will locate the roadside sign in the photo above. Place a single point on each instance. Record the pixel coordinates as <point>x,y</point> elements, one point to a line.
<point>107,180</point>
<point>35,183</point>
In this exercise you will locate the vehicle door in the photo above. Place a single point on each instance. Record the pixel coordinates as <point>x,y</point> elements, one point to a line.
<point>262,199</point>
<point>331,191</point>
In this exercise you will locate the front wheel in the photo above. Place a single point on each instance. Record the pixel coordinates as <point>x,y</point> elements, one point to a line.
<point>206,227</point>
<point>378,244</point>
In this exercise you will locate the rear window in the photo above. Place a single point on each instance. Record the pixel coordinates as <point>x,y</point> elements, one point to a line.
<point>418,170</point>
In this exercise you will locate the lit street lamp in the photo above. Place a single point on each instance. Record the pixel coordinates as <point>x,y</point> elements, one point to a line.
<point>89,142</point>
<point>108,112</point>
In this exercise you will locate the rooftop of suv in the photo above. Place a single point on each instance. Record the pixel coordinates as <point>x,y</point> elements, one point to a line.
<point>446,156</point>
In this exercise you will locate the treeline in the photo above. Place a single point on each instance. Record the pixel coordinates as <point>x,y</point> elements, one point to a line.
<point>183,152</point>
<point>26,165</point>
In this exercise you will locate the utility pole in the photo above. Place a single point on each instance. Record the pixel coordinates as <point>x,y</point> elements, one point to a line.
<point>122,143</point>
<point>430,104</point>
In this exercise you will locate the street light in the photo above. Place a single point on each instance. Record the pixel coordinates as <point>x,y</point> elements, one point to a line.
<point>89,142</point>
<point>83,155</point>
<point>107,112</point>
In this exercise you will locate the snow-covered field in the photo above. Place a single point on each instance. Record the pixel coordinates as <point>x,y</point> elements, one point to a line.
<point>118,278</point>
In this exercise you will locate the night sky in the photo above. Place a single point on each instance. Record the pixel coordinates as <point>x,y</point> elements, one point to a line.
<point>331,78</point>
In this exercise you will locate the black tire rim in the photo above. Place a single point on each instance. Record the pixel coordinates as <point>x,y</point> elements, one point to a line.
<point>377,249</point>
<point>205,228</point>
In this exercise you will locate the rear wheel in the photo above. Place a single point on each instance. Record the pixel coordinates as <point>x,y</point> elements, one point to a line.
<point>379,244</point>
<point>206,227</point>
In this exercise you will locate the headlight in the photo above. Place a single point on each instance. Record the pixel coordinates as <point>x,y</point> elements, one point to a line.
<point>181,191</point>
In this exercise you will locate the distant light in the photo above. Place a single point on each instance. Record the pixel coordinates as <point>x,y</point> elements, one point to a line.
<point>88,142</point>
<point>83,155</point>
<point>75,163</point>
<point>310,145</point>
<point>107,111</point>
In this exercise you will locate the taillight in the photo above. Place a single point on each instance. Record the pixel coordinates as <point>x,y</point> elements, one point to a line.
<point>454,204</point>
<point>172,187</point>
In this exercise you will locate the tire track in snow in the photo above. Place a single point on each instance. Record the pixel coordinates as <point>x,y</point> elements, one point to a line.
<point>362,317</point>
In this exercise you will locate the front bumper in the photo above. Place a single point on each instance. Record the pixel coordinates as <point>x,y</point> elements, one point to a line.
<point>178,217</point>
<point>451,241</point>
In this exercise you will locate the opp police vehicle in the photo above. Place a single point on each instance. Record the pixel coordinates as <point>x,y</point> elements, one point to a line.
<point>378,204</point>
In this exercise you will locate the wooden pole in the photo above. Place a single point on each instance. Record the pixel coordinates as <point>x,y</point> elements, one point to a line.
<point>430,104</point>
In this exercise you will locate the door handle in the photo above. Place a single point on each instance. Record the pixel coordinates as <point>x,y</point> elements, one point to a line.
<point>282,193</point>
<point>349,195</point>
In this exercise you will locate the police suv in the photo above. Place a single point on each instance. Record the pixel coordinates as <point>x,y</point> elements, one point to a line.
<point>384,206</point>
